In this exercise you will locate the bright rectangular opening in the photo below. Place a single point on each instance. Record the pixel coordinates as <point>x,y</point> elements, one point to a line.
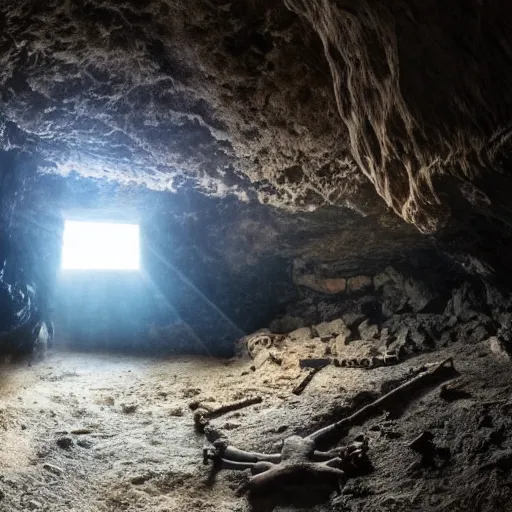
<point>100,246</point>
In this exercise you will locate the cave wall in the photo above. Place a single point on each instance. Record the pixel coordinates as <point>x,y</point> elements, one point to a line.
<point>424,93</point>
<point>216,269</point>
<point>213,269</point>
<point>253,139</point>
<point>29,243</point>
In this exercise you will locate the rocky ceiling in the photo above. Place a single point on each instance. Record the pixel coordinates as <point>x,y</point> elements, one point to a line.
<point>376,107</point>
<point>224,94</point>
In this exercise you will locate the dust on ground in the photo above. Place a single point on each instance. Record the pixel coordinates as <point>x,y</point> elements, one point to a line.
<point>91,433</point>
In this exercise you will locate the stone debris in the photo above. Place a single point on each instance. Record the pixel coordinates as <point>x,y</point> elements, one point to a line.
<point>176,411</point>
<point>332,329</point>
<point>56,470</point>
<point>302,334</point>
<point>368,331</point>
<point>129,408</point>
<point>66,443</point>
<point>498,349</point>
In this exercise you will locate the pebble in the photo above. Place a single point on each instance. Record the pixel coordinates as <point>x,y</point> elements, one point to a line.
<point>129,408</point>
<point>84,443</point>
<point>65,443</point>
<point>53,469</point>
<point>140,479</point>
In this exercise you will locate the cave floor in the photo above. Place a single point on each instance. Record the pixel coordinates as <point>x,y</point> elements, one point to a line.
<point>133,445</point>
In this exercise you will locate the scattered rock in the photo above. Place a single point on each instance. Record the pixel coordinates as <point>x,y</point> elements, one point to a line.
<point>465,302</point>
<point>381,279</point>
<point>418,294</point>
<point>353,319</point>
<point>85,443</point>
<point>65,443</point>
<point>34,505</point>
<point>53,469</point>
<point>140,479</point>
<point>399,292</point>
<point>367,331</point>
<point>402,343</point>
<point>302,334</point>
<point>331,329</point>
<point>176,411</point>
<point>190,392</point>
<point>498,349</point>
<point>129,408</point>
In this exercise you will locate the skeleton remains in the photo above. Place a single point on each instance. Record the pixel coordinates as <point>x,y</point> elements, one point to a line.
<point>301,456</point>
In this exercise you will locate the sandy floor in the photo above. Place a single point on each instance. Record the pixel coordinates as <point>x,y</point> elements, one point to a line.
<point>138,451</point>
<point>91,433</point>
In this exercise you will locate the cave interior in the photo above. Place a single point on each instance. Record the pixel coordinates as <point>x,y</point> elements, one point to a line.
<point>316,313</point>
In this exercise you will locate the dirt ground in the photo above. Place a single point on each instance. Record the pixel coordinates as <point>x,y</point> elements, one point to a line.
<point>91,433</point>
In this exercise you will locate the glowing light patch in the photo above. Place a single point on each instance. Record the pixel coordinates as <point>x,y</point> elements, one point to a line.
<point>100,246</point>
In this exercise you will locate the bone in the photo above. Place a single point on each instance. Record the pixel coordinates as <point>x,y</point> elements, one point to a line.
<point>236,454</point>
<point>307,379</point>
<point>221,450</point>
<point>299,457</point>
<point>202,416</point>
<point>442,371</point>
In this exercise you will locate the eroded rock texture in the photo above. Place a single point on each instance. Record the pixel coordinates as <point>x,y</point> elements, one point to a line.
<point>238,97</point>
<point>226,94</point>
<point>422,90</point>
<point>303,144</point>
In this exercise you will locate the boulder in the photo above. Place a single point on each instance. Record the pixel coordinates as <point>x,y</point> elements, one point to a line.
<point>368,331</point>
<point>302,334</point>
<point>497,347</point>
<point>353,319</point>
<point>332,329</point>
<point>399,291</point>
<point>358,283</point>
<point>417,293</point>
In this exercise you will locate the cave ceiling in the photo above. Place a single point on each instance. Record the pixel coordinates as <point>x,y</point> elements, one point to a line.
<point>398,112</point>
